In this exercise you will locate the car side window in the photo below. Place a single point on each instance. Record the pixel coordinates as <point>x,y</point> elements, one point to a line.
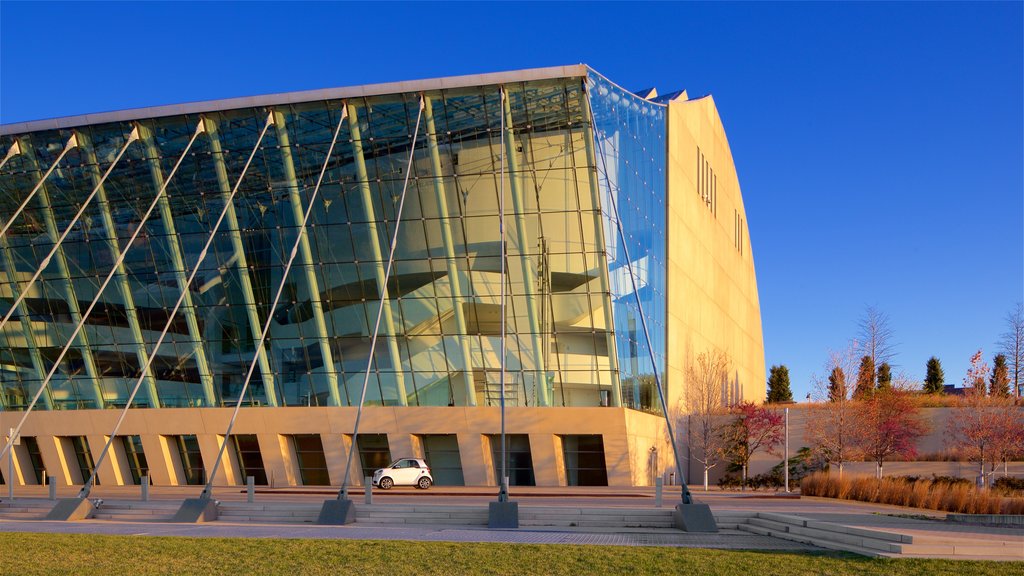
<point>414,464</point>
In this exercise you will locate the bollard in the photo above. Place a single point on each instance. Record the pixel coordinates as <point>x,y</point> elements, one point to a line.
<point>250,489</point>
<point>658,485</point>
<point>144,486</point>
<point>368,489</point>
<point>51,483</point>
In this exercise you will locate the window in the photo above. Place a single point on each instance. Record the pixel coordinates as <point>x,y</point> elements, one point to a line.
<point>32,447</point>
<point>250,460</point>
<point>309,452</point>
<point>136,457</point>
<point>374,452</point>
<point>737,236</point>
<point>584,460</point>
<point>191,459</point>
<point>83,457</point>
<point>520,460</point>
<point>707,183</point>
<point>442,455</point>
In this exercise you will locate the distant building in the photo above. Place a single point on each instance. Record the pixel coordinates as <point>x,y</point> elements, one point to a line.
<point>614,202</point>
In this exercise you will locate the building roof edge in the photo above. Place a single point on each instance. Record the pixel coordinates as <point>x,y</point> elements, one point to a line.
<point>571,71</point>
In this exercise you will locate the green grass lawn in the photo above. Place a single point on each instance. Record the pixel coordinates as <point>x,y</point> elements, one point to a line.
<point>82,554</point>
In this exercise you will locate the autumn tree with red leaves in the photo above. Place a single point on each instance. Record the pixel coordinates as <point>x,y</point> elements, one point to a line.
<point>753,428</point>
<point>889,425</point>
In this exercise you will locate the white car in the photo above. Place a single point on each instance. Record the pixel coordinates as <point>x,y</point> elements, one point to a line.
<point>404,472</point>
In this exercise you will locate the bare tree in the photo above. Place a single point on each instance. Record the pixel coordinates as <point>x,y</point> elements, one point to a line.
<point>1011,344</point>
<point>705,383</point>
<point>832,425</point>
<point>875,336</point>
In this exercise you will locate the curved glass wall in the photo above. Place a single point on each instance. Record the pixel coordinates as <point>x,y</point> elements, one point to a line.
<point>630,140</point>
<point>571,314</point>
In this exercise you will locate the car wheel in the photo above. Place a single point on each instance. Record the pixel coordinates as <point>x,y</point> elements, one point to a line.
<point>386,483</point>
<point>424,483</point>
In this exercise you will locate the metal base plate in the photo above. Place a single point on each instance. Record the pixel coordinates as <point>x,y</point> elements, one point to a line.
<point>194,510</point>
<point>337,512</point>
<point>694,518</point>
<point>71,509</point>
<point>503,514</point>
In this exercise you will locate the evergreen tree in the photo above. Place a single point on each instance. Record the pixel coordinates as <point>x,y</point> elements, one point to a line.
<point>884,376</point>
<point>778,385</point>
<point>836,385</point>
<point>999,382</point>
<point>865,379</point>
<point>934,378</point>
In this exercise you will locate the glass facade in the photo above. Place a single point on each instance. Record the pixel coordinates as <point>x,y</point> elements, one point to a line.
<point>575,338</point>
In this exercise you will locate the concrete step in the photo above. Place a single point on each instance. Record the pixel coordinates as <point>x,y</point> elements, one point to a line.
<point>131,517</point>
<point>819,542</point>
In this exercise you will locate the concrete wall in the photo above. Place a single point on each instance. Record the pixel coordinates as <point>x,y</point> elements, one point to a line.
<point>628,439</point>
<point>713,302</point>
<point>937,440</point>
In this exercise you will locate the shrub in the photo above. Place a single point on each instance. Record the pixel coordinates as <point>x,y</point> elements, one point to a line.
<point>937,493</point>
<point>1009,486</point>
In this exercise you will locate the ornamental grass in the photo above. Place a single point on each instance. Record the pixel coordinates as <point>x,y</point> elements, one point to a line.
<point>962,498</point>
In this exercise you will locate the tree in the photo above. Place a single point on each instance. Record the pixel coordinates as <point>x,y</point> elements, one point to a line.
<point>977,374</point>
<point>999,382</point>
<point>836,384</point>
<point>705,380</point>
<point>875,336</point>
<point>986,429</point>
<point>832,428</point>
<point>889,426</point>
<point>934,379</point>
<point>884,376</point>
<point>1012,345</point>
<point>753,428</point>
<point>865,379</point>
<point>778,385</point>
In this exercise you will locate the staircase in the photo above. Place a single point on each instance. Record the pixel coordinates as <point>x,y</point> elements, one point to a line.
<point>25,509</point>
<point>136,511</point>
<point>492,389</point>
<point>558,517</point>
<point>874,542</point>
<point>268,513</point>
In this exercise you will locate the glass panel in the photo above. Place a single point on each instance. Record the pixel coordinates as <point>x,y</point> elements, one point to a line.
<point>136,456</point>
<point>520,460</point>
<point>584,460</point>
<point>442,455</point>
<point>191,459</point>
<point>374,452</point>
<point>250,460</point>
<point>309,451</point>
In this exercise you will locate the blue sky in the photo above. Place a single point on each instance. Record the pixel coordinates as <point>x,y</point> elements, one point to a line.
<point>880,146</point>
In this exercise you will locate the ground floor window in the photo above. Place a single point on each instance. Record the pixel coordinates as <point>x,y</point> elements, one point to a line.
<point>584,460</point>
<point>191,459</point>
<point>309,452</point>
<point>250,460</point>
<point>374,452</point>
<point>136,456</point>
<point>31,444</point>
<point>520,460</point>
<point>442,455</point>
<point>83,457</point>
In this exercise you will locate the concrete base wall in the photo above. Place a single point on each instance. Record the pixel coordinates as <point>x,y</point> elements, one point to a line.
<point>629,438</point>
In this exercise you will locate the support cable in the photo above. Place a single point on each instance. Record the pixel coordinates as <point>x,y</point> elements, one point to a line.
<point>81,323</point>
<point>686,496</point>
<point>502,493</point>
<point>72,143</point>
<point>208,489</point>
<point>85,204</point>
<point>343,493</point>
<point>87,487</point>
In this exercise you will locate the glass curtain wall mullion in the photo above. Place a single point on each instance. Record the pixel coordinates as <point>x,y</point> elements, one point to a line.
<point>307,258</point>
<point>13,151</point>
<point>375,247</point>
<point>121,276</point>
<point>528,270</point>
<point>178,262</point>
<point>241,264</point>
<point>602,253</point>
<point>457,295</point>
<point>64,279</point>
<point>24,146</point>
